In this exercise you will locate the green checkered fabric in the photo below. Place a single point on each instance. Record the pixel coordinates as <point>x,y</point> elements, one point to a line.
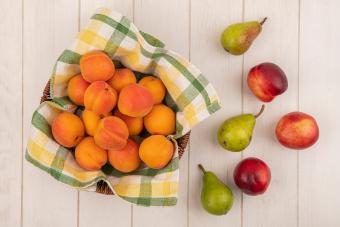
<point>189,94</point>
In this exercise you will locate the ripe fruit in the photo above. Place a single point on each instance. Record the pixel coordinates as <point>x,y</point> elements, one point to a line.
<point>135,101</point>
<point>216,197</point>
<point>237,38</point>
<point>89,156</point>
<point>122,78</point>
<point>100,97</point>
<point>156,151</point>
<point>126,159</point>
<point>235,133</point>
<point>111,133</point>
<point>91,121</point>
<point>76,89</point>
<point>297,130</point>
<point>266,81</point>
<point>155,86</point>
<point>67,129</point>
<point>96,66</point>
<point>160,121</point>
<point>134,124</point>
<point>252,176</point>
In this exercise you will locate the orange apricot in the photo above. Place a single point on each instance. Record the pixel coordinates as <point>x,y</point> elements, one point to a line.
<point>135,101</point>
<point>126,159</point>
<point>91,121</point>
<point>100,97</point>
<point>89,156</point>
<point>160,121</point>
<point>122,78</point>
<point>156,151</point>
<point>155,86</point>
<point>134,124</point>
<point>111,133</point>
<point>76,89</point>
<point>96,66</point>
<point>68,129</point>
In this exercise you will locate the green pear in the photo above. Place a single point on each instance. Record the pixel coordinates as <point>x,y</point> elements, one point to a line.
<point>237,38</point>
<point>216,197</point>
<point>235,133</point>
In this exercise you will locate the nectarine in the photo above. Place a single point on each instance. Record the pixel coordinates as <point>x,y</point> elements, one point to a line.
<point>267,81</point>
<point>297,130</point>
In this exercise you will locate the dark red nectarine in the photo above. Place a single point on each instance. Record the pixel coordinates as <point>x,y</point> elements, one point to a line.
<point>252,176</point>
<point>266,81</point>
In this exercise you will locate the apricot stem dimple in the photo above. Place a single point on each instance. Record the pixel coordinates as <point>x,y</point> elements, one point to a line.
<point>201,168</point>
<point>260,112</point>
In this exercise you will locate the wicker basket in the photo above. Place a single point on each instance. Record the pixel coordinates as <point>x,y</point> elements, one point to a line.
<point>102,186</point>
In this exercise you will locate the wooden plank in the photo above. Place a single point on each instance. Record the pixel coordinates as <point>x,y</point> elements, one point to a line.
<point>319,96</point>
<point>208,20</point>
<point>96,209</point>
<point>174,32</point>
<point>277,43</point>
<point>11,114</point>
<point>49,27</point>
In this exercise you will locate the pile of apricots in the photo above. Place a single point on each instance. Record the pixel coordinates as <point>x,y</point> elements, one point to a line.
<point>117,108</point>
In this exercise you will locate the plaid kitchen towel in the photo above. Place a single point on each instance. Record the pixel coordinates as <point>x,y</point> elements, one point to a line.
<point>189,93</point>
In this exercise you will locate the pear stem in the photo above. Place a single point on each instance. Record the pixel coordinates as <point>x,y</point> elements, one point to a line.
<point>264,20</point>
<point>201,168</point>
<point>260,112</point>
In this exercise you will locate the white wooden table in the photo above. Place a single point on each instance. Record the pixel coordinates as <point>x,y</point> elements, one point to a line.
<point>301,36</point>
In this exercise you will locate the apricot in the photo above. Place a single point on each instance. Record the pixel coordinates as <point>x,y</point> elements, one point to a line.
<point>105,114</point>
<point>135,101</point>
<point>100,97</point>
<point>122,78</point>
<point>126,159</point>
<point>96,66</point>
<point>67,129</point>
<point>134,124</point>
<point>91,121</point>
<point>76,89</point>
<point>89,156</point>
<point>160,121</point>
<point>111,133</point>
<point>156,151</point>
<point>155,86</point>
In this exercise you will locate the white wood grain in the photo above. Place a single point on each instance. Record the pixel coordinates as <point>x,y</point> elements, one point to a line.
<point>96,209</point>
<point>174,33</point>
<point>208,20</point>
<point>277,43</point>
<point>49,27</point>
<point>11,112</point>
<point>304,187</point>
<point>319,96</point>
